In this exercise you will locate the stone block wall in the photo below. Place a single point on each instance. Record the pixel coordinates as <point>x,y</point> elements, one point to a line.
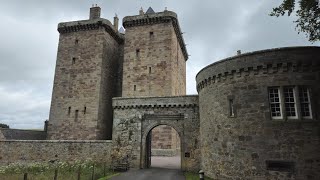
<point>154,62</point>
<point>134,118</point>
<point>165,141</point>
<point>27,151</point>
<point>1,136</point>
<point>250,144</point>
<point>85,80</point>
<point>20,134</point>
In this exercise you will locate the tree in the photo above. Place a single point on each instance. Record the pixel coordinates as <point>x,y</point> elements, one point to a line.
<point>4,126</point>
<point>308,14</point>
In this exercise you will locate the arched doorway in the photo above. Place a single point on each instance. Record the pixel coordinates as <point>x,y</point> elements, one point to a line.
<point>163,148</point>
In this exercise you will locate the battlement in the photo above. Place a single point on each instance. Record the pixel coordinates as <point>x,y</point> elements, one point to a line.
<point>93,23</point>
<point>156,18</point>
<point>156,102</point>
<point>279,60</point>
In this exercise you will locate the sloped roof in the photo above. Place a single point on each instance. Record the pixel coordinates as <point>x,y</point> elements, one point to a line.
<point>150,11</point>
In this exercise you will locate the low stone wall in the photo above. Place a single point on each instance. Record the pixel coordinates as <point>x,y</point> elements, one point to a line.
<point>165,152</point>
<point>1,136</point>
<point>27,151</point>
<point>21,134</point>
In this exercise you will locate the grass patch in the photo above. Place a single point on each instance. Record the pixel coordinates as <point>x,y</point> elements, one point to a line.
<point>194,176</point>
<point>110,176</point>
<point>44,171</point>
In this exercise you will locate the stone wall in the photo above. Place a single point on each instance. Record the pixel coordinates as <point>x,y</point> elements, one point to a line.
<point>1,136</point>
<point>250,144</point>
<point>154,63</point>
<point>134,118</point>
<point>20,151</point>
<point>165,141</point>
<point>85,80</point>
<point>20,134</point>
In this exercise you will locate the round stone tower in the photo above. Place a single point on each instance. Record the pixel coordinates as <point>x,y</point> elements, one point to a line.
<point>260,115</point>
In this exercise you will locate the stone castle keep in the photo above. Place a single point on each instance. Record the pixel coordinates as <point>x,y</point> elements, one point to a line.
<point>256,115</point>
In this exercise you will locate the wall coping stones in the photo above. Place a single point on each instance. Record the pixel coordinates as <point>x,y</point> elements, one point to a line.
<point>156,18</point>
<point>155,102</point>
<point>92,24</point>
<point>57,141</point>
<point>270,61</point>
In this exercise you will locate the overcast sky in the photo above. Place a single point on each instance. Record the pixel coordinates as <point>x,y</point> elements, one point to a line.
<point>214,29</point>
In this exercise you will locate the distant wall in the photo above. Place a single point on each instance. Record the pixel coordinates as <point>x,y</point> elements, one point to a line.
<point>27,151</point>
<point>19,134</point>
<point>1,136</point>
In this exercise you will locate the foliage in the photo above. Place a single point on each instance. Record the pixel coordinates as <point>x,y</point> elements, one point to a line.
<point>39,171</point>
<point>308,15</point>
<point>4,126</point>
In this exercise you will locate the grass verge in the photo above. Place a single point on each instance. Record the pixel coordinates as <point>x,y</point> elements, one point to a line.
<point>194,176</point>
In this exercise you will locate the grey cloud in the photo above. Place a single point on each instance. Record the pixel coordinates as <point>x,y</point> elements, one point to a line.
<point>214,29</point>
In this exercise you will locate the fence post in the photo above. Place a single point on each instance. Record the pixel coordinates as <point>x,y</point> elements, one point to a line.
<point>79,172</point>
<point>92,177</point>
<point>25,176</point>
<point>55,174</point>
<point>104,169</point>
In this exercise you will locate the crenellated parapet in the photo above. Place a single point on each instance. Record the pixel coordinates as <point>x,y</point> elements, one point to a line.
<point>156,18</point>
<point>88,25</point>
<point>156,102</point>
<point>272,61</point>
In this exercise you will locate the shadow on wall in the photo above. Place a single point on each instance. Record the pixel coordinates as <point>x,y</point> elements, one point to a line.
<point>19,134</point>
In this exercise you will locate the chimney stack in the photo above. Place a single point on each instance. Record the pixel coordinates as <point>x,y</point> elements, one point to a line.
<point>95,12</point>
<point>116,22</point>
<point>141,11</point>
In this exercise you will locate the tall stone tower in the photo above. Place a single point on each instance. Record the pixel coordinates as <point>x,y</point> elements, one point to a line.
<point>154,55</point>
<point>86,77</point>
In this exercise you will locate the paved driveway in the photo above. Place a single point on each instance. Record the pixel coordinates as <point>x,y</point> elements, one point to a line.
<point>151,174</point>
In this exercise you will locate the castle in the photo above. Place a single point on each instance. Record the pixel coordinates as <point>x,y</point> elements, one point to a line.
<point>256,115</point>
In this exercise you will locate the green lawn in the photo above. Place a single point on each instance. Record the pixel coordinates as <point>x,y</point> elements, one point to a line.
<point>64,172</point>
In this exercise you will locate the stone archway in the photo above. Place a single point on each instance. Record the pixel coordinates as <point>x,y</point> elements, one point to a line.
<point>171,160</point>
<point>149,122</point>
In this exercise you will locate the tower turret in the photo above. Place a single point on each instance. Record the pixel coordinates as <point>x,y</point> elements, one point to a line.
<point>154,55</point>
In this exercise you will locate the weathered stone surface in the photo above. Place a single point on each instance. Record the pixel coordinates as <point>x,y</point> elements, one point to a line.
<point>238,147</point>
<point>19,134</point>
<point>27,151</point>
<point>1,135</point>
<point>85,80</point>
<point>154,64</point>
<point>134,118</point>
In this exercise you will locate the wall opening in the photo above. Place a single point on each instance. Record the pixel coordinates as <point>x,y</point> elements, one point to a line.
<point>163,146</point>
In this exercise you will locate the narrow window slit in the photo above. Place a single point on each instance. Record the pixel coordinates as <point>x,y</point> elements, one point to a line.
<point>76,115</point>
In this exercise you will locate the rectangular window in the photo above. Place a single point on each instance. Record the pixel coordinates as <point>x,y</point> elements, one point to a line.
<point>138,54</point>
<point>304,96</point>
<point>231,108</point>
<point>76,115</point>
<point>73,60</point>
<point>289,102</point>
<point>149,70</point>
<point>134,88</point>
<point>274,98</point>
<point>69,110</point>
<point>286,166</point>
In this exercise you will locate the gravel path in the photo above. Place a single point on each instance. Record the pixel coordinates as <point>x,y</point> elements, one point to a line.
<point>151,174</point>
<point>162,168</point>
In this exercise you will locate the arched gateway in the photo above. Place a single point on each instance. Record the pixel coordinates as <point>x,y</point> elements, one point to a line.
<point>134,118</point>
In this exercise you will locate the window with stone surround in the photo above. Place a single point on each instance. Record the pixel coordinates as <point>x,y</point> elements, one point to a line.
<point>275,103</point>
<point>231,108</point>
<point>290,102</point>
<point>73,60</point>
<point>305,104</point>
